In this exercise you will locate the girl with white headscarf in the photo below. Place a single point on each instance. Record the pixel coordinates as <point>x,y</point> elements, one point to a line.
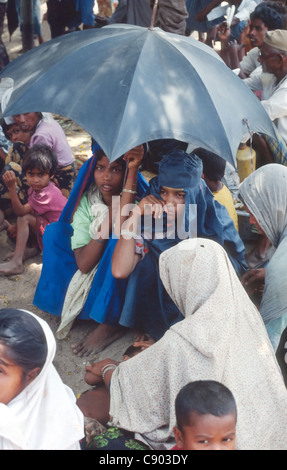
<point>222,338</point>
<point>264,193</point>
<point>37,411</point>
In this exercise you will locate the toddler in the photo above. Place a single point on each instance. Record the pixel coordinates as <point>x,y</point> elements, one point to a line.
<point>45,204</point>
<point>206,417</point>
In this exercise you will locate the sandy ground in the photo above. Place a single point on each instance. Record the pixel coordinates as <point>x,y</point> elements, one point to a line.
<point>18,291</point>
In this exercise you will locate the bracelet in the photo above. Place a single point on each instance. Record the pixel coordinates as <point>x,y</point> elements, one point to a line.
<point>130,234</point>
<point>108,367</point>
<point>129,191</point>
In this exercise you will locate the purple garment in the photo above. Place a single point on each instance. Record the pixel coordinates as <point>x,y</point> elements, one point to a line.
<point>49,202</point>
<point>50,133</point>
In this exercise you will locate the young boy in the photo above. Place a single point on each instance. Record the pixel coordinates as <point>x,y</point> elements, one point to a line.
<point>45,204</point>
<point>213,173</point>
<point>206,417</point>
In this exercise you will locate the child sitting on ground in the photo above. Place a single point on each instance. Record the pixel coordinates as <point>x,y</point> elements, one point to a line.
<point>206,417</point>
<point>45,204</point>
<point>213,173</point>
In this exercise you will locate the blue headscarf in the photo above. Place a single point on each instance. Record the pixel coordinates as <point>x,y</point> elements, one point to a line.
<point>147,306</point>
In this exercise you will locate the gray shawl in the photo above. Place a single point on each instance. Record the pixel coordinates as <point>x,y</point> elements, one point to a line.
<point>264,193</point>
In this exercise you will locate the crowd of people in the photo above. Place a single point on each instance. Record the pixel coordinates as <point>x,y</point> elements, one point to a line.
<point>163,257</point>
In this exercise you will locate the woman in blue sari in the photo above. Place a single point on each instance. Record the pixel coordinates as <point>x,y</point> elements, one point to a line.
<point>76,279</point>
<point>181,200</point>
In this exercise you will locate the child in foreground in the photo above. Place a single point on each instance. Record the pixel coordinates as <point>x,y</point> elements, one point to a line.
<point>30,416</point>
<point>206,417</point>
<point>45,204</point>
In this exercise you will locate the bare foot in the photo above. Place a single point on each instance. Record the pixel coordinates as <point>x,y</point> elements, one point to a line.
<point>29,253</point>
<point>102,336</point>
<point>11,268</point>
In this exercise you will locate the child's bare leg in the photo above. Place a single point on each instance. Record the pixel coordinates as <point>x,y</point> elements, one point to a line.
<point>15,265</point>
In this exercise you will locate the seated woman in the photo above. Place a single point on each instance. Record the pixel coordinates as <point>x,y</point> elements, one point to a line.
<point>87,290</point>
<point>47,131</point>
<point>37,411</point>
<point>221,337</point>
<point>183,207</point>
<point>265,198</point>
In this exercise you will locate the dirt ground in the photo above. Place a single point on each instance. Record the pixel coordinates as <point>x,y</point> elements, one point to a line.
<point>18,291</point>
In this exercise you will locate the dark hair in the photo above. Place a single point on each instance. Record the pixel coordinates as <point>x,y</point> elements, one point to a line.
<point>100,154</point>
<point>131,351</point>
<point>272,14</point>
<point>213,165</point>
<point>40,157</point>
<point>24,339</point>
<point>203,397</point>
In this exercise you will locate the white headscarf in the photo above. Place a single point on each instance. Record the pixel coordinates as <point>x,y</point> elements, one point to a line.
<point>222,338</point>
<point>44,416</point>
<point>264,192</point>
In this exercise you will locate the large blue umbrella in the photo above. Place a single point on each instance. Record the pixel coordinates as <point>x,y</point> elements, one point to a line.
<point>126,85</point>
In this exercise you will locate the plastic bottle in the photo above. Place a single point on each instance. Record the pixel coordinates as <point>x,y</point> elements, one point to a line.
<point>246,161</point>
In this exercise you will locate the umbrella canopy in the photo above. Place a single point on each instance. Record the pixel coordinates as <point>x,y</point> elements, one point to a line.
<point>126,85</point>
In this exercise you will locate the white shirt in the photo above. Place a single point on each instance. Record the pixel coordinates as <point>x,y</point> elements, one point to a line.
<point>274,98</point>
<point>250,64</point>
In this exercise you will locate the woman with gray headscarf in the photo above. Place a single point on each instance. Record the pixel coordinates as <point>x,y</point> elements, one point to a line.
<point>264,194</point>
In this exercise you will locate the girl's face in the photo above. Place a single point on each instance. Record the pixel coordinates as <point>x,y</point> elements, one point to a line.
<point>174,200</point>
<point>11,377</point>
<point>15,134</point>
<point>36,179</point>
<point>109,178</point>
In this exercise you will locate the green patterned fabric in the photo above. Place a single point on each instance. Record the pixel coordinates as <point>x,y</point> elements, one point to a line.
<point>116,439</point>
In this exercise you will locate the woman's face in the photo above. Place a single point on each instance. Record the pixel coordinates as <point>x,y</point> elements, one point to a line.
<point>109,178</point>
<point>11,377</point>
<point>253,221</point>
<point>27,121</point>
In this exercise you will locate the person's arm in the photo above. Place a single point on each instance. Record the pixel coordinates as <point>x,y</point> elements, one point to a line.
<point>20,209</point>
<point>125,258</point>
<point>88,256</point>
<point>202,15</point>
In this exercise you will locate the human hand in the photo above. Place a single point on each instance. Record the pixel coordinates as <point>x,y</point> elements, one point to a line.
<point>93,373</point>
<point>223,33</point>
<point>134,157</point>
<point>254,280</point>
<point>9,179</point>
<point>151,205</point>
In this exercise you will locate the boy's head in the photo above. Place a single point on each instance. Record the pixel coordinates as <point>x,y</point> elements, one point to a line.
<point>213,165</point>
<point>206,417</point>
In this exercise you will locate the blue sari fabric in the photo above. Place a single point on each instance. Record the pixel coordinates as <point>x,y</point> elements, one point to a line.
<point>107,294</point>
<point>147,306</point>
